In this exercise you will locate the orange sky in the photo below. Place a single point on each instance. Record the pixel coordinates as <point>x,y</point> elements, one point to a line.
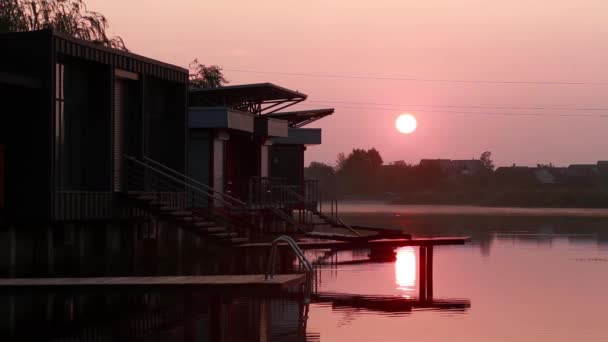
<point>543,40</point>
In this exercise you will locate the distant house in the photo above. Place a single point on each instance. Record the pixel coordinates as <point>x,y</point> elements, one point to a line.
<point>583,175</point>
<point>545,176</point>
<point>469,167</point>
<point>602,167</point>
<point>516,176</point>
<point>445,165</point>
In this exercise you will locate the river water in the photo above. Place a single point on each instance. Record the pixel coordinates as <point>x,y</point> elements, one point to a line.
<point>523,277</point>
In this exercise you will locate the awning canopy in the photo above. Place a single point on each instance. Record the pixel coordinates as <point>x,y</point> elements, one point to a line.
<point>220,117</point>
<point>302,118</point>
<point>300,136</point>
<point>259,98</point>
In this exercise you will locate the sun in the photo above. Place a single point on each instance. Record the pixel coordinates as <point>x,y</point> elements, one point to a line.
<point>406,123</point>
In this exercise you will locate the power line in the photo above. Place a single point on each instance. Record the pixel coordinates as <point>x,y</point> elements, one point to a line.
<point>474,113</point>
<point>456,106</point>
<point>414,79</point>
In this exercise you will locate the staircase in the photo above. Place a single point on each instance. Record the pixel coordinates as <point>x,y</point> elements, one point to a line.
<point>314,207</point>
<point>183,201</point>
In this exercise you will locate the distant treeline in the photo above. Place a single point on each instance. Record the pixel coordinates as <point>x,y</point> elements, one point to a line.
<point>362,174</point>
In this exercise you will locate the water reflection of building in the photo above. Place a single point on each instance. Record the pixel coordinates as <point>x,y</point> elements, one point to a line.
<point>166,316</point>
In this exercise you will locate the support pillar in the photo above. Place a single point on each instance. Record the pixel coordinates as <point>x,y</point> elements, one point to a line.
<point>219,156</point>
<point>429,272</point>
<point>422,268</point>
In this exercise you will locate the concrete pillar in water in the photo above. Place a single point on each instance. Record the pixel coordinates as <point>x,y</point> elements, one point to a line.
<point>422,272</point>
<point>429,272</point>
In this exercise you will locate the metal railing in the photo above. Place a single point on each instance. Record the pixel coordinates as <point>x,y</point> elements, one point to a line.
<point>270,267</point>
<point>176,190</point>
<point>316,208</point>
<point>218,195</point>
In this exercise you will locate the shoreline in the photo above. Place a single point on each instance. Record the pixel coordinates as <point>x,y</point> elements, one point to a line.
<point>366,207</point>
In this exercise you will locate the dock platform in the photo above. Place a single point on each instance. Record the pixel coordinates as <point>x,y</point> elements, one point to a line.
<point>207,283</point>
<point>382,243</point>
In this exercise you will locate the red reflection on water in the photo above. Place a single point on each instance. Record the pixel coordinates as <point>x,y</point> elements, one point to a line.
<point>405,271</point>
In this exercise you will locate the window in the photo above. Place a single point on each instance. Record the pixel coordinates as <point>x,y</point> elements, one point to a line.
<point>2,174</point>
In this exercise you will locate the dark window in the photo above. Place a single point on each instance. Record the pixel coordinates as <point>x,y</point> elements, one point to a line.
<point>2,174</point>
<point>83,133</point>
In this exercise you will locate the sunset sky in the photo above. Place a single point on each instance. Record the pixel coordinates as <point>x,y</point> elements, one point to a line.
<point>471,40</point>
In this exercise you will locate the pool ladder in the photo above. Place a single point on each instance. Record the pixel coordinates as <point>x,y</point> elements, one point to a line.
<point>270,267</point>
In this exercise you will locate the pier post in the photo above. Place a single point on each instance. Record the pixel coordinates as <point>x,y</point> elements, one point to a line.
<point>429,272</point>
<point>422,271</point>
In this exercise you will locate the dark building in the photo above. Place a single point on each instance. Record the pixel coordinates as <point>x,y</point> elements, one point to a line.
<point>71,111</point>
<point>287,153</point>
<point>230,134</point>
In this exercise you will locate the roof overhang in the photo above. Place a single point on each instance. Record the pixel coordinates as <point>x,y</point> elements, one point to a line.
<point>259,98</point>
<point>268,127</point>
<point>303,117</point>
<point>220,117</point>
<point>300,136</point>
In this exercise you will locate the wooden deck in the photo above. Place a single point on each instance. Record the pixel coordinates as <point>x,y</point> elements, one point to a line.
<point>386,243</point>
<point>207,283</point>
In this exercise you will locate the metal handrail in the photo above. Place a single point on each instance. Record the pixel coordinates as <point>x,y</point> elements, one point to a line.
<point>194,181</point>
<point>270,266</point>
<point>173,178</point>
<point>313,207</point>
<point>222,217</point>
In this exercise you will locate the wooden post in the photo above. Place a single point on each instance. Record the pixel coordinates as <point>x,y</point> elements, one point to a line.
<point>429,272</point>
<point>422,272</point>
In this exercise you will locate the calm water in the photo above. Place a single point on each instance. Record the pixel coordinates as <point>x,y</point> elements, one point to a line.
<point>523,278</point>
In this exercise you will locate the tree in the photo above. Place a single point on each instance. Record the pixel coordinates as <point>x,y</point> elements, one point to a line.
<point>202,76</point>
<point>70,17</point>
<point>486,161</point>
<point>325,174</point>
<point>359,172</point>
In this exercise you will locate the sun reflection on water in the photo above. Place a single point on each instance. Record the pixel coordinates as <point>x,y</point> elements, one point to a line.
<point>405,271</point>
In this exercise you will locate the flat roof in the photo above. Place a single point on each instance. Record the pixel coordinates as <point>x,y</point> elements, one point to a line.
<point>258,98</point>
<point>87,50</point>
<point>302,118</point>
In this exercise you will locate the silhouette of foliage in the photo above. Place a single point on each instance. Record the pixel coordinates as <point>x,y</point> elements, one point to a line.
<point>486,161</point>
<point>202,76</point>
<point>70,17</point>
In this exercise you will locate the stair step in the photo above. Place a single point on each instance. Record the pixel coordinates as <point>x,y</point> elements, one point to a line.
<point>203,224</point>
<point>238,240</point>
<point>224,235</point>
<point>167,209</point>
<point>215,230</point>
<point>180,213</point>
